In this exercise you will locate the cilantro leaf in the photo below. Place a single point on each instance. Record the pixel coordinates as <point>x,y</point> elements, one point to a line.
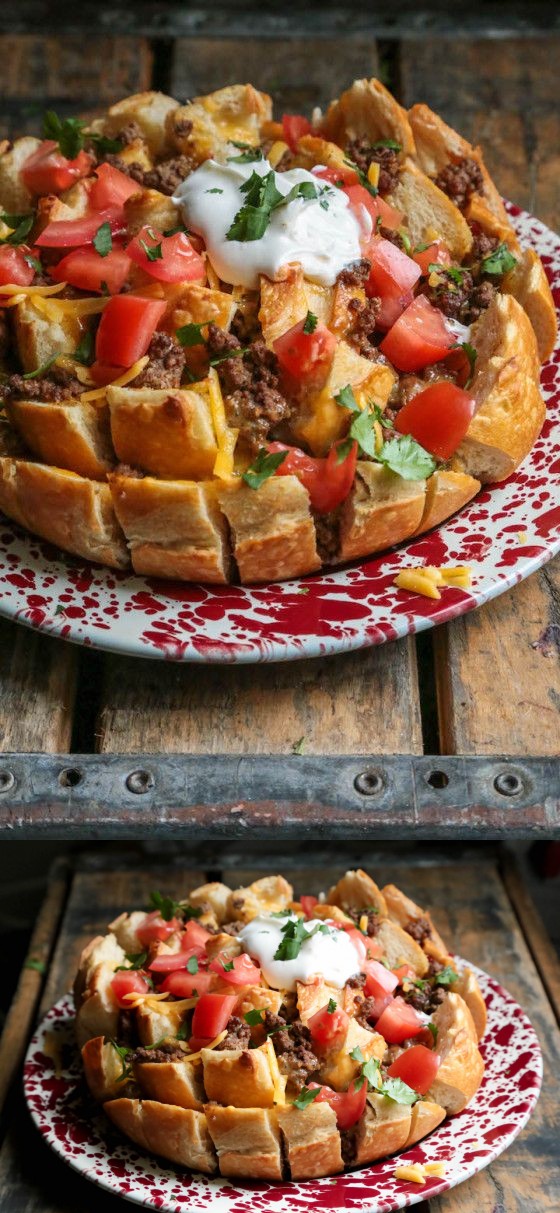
<point>363,178</point>
<point>190,334</point>
<point>501,261</point>
<point>407,458</point>
<point>455,273</point>
<point>238,353</point>
<point>248,153</point>
<point>406,241</point>
<point>85,349</point>
<point>446,977</point>
<point>434,1031</point>
<point>103,240</point>
<point>263,467</point>
<point>124,1053</point>
<point>472,356</point>
<point>67,132</point>
<point>153,252</point>
<point>310,323</point>
<point>227,966</point>
<point>343,450</point>
<point>192,965</point>
<point>306,1096</point>
<point>21,225</point>
<point>254,1018</point>
<point>172,909</point>
<point>215,190</point>
<point>399,1091</point>
<point>183,1032</point>
<point>33,262</point>
<point>391,143</point>
<point>362,431</point>
<point>295,934</point>
<point>136,960</point>
<point>41,370</point>
<point>347,399</point>
<point>331,1006</point>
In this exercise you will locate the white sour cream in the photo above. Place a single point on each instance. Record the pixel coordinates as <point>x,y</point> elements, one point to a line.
<point>329,954</point>
<point>323,239</point>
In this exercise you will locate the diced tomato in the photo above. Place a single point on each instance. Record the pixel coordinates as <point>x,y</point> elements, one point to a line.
<point>178,261</point>
<point>335,176</point>
<point>403,972</point>
<point>154,928</point>
<point>418,338</point>
<point>327,482</point>
<point>86,269</point>
<point>379,980</point>
<point>243,973</point>
<point>328,1028</point>
<point>185,985</point>
<point>434,254</point>
<point>72,233</point>
<point>47,171</point>
<point>438,418</point>
<point>127,326</point>
<point>169,962</point>
<point>378,1006</point>
<point>112,188</point>
<point>308,904</point>
<point>195,935</point>
<point>392,276</point>
<point>417,1067</point>
<point>304,356</point>
<point>398,1022</point>
<point>128,982</point>
<point>359,940</point>
<point>348,1105</point>
<point>294,127</point>
<point>14,268</point>
<point>210,1017</point>
<point>375,206</point>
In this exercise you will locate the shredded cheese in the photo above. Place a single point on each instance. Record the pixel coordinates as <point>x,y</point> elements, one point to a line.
<point>122,380</point>
<point>213,1044</point>
<point>427,580</point>
<point>38,291</point>
<point>135,999</point>
<point>276,152</point>
<point>373,173</point>
<point>413,1172</point>
<point>363,923</point>
<point>57,309</point>
<point>226,437</point>
<point>435,1168</point>
<point>278,1081</point>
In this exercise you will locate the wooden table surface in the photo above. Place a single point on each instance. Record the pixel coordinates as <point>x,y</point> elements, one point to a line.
<point>481,685</point>
<point>479,906</point>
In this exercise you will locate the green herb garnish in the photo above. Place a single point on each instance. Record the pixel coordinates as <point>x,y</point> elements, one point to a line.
<point>70,136</point>
<point>254,1018</point>
<point>85,350</point>
<point>21,225</point>
<point>41,370</point>
<point>38,965</point>
<point>249,153</point>
<point>190,334</point>
<point>295,935</point>
<point>192,965</point>
<point>136,960</point>
<point>263,467</point>
<point>306,1097</point>
<point>501,261</point>
<point>172,909</point>
<point>310,323</point>
<point>123,1053</point>
<point>446,977</point>
<point>103,240</point>
<point>391,143</point>
<point>332,1006</point>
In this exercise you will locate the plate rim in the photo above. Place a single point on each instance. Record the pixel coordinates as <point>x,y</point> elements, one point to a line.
<point>405,1199</point>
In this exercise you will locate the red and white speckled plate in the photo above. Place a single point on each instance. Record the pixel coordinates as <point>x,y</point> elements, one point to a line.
<point>84,1138</point>
<point>506,533</point>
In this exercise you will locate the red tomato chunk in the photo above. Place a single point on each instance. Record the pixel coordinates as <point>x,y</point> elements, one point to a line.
<point>438,418</point>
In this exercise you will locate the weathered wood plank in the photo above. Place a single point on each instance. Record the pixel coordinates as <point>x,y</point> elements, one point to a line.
<point>366,701</point>
<point>543,951</point>
<point>37,691</point>
<point>285,67</point>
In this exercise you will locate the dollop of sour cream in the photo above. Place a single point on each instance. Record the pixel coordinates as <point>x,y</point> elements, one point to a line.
<point>322,238</point>
<point>329,954</point>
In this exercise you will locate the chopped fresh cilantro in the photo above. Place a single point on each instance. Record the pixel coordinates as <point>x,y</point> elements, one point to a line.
<point>406,242</point>
<point>434,1031</point>
<point>331,1006</point>
<point>21,225</point>
<point>33,262</point>
<point>399,1091</point>
<point>306,1096</point>
<point>215,190</point>
<point>238,353</point>
<point>41,370</point>
<point>254,1018</point>
<point>227,966</point>
<point>124,1054</point>
<point>391,143</point>
<point>310,323</point>
<point>347,399</point>
<point>362,430</point>
<point>421,248</point>
<point>249,153</point>
<point>263,467</point>
<point>407,458</point>
<point>472,356</point>
<point>190,334</point>
<point>103,240</point>
<point>153,252</point>
<point>501,261</point>
<point>183,1032</point>
<point>362,178</point>
<point>136,960</point>
<point>343,450</point>
<point>446,977</point>
<point>85,349</point>
<point>261,199</point>
<point>453,272</point>
<point>71,135</point>
<point>172,909</point>
<point>295,935</point>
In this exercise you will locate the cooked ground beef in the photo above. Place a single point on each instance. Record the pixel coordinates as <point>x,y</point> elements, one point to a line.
<point>364,320</point>
<point>482,246</point>
<point>293,1049</point>
<point>254,403</point>
<point>363,154</point>
<point>166,176</point>
<point>426,999</point>
<point>327,530</point>
<point>355,274</point>
<point>238,1035</point>
<point>357,914</point>
<point>165,368</point>
<point>233,928</point>
<point>348,1145</point>
<point>403,390</point>
<point>392,237</point>
<point>463,301</point>
<point>419,929</point>
<point>357,982</point>
<point>130,132</point>
<point>364,1012</point>
<point>459,181</point>
<point>165,1052</point>
<point>49,389</point>
<point>245,324</point>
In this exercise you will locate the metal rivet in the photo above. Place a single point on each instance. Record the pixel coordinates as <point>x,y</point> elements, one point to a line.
<point>140,782</point>
<point>7,781</point>
<point>70,777</point>
<point>369,783</point>
<point>437,779</point>
<point>508,784</point>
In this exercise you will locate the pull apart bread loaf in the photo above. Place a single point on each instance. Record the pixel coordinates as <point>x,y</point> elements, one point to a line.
<point>245,1033</point>
<point>240,349</point>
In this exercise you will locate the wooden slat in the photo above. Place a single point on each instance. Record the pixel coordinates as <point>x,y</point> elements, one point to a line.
<point>496,694</point>
<point>37,691</point>
<point>363,702</point>
<point>293,71</point>
<point>544,953</point>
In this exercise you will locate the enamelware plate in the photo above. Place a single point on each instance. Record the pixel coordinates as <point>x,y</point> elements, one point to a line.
<point>505,534</point>
<point>83,1137</point>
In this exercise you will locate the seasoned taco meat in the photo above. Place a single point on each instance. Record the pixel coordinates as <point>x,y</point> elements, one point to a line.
<point>461,180</point>
<point>293,1048</point>
<point>49,389</point>
<point>238,1035</point>
<point>250,381</point>
<point>166,365</point>
<point>363,154</point>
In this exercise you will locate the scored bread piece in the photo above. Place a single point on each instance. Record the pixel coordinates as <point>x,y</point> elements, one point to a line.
<point>150,111</point>
<point>339,1068</point>
<point>368,110</point>
<point>69,434</point>
<point>214,895</point>
<point>382,1129</point>
<point>104,1070</point>
<point>39,338</point>
<point>437,145</point>
<point>179,1134</point>
<point>357,891</point>
<point>247,1141</point>
<point>510,408</point>
<point>425,1117</point>
<point>528,282</point>
<point>461,1068</point>
<point>323,419</point>
<point>167,432</point>
<point>400,948</point>
<point>174,528</point>
<point>15,198</point>
<point>469,990</point>
<point>173,1082</point>
<point>430,213</point>
<point>311,1140</point>
<point>204,126</point>
<point>382,509</point>
<point>268,895</point>
<point>272,530</point>
<point>404,911</point>
<point>239,1076</point>
<point>97,1010</point>
<point>69,511</point>
<point>446,493</point>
